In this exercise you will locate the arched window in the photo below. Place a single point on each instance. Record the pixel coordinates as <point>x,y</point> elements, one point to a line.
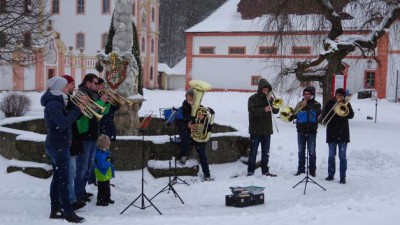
<point>153,14</point>
<point>55,7</point>
<point>80,6</point>
<point>144,19</point>
<point>80,41</point>
<point>104,39</point>
<point>143,44</point>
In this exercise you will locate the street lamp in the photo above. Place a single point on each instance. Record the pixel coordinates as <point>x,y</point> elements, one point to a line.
<point>369,64</point>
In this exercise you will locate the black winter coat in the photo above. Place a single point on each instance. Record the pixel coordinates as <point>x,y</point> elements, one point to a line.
<point>182,124</point>
<point>107,125</point>
<point>260,122</point>
<point>338,128</point>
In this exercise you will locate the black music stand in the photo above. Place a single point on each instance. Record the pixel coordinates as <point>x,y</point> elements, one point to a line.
<point>142,128</point>
<point>307,179</point>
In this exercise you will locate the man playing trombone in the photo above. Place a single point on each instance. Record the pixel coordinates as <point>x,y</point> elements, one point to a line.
<point>337,113</point>
<point>260,126</point>
<point>307,114</point>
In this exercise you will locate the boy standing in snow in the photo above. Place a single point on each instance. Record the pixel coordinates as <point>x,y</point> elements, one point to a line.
<point>104,171</point>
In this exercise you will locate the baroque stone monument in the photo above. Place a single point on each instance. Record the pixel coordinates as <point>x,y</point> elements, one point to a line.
<point>121,69</point>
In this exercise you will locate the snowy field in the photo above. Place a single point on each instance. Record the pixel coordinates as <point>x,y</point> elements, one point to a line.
<point>371,195</point>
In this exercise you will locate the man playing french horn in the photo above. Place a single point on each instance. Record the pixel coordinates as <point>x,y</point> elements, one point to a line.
<point>260,126</point>
<point>185,125</point>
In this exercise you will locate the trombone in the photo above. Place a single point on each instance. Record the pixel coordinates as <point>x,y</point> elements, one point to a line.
<point>114,98</point>
<point>276,104</point>
<point>339,108</point>
<point>91,109</point>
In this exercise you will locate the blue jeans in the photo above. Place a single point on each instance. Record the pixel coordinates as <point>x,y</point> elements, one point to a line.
<point>59,195</point>
<point>84,167</point>
<point>72,172</point>
<point>186,142</point>
<point>255,141</point>
<point>342,156</point>
<point>307,140</point>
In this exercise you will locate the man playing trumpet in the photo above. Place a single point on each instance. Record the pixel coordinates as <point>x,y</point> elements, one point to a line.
<point>337,134</point>
<point>260,126</point>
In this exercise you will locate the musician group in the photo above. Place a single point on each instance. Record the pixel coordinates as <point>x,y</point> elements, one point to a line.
<point>80,128</point>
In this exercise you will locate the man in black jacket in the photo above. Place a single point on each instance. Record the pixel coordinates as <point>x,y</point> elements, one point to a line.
<point>307,124</point>
<point>337,134</point>
<point>260,127</point>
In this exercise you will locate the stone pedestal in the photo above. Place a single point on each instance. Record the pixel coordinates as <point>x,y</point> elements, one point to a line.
<point>127,118</point>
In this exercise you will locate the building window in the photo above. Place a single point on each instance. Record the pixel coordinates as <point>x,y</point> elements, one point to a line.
<point>133,8</point>
<point>27,40</point>
<point>51,73</point>
<point>3,39</point>
<point>80,6</point>
<point>237,50</point>
<point>369,79</point>
<point>153,14</point>
<point>151,73</point>
<point>152,45</point>
<point>143,45</point>
<point>144,19</point>
<point>106,6</point>
<point>80,41</point>
<point>267,50</point>
<point>207,50</point>
<point>255,79</point>
<point>104,39</point>
<point>55,7</point>
<point>301,50</point>
<point>3,6</point>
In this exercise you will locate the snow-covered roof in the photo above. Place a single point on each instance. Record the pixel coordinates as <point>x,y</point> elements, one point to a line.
<point>178,69</point>
<point>163,67</point>
<point>227,19</point>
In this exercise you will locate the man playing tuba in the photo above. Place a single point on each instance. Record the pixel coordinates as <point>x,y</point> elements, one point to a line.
<point>185,126</point>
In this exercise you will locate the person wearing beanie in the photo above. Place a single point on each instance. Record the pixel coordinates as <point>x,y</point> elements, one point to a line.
<point>337,134</point>
<point>260,127</point>
<point>75,149</point>
<point>308,111</point>
<point>185,125</point>
<point>104,171</point>
<point>58,122</point>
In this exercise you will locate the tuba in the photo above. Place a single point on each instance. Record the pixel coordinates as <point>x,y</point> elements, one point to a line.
<point>203,116</point>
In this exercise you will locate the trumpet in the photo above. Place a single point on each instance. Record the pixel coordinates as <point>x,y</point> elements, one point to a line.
<point>91,108</point>
<point>114,98</point>
<point>339,108</point>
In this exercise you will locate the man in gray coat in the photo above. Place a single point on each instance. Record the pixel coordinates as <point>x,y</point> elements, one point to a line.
<point>260,126</point>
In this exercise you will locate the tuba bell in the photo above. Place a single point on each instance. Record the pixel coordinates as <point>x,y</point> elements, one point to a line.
<point>203,116</point>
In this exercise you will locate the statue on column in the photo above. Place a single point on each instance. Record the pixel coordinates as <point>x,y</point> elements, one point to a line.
<point>121,69</point>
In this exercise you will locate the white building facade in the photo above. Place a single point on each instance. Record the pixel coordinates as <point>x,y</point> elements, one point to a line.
<point>80,31</point>
<point>233,54</point>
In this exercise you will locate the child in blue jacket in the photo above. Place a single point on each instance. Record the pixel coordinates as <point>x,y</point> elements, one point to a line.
<point>104,171</point>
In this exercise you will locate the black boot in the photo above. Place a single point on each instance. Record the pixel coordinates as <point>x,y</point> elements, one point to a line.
<point>268,174</point>
<point>73,218</point>
<point>342,180</point>
<point>299,172</point>
<point>56,215</point>
<point>312,173</point>
<point>78,205</point>
<point>329,178</point>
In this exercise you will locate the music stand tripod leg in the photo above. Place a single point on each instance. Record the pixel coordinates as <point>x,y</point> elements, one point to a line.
<point>142,195</point>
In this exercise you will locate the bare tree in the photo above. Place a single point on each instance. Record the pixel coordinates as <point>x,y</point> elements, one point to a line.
<point>377,16</point>
<point>22,31</point>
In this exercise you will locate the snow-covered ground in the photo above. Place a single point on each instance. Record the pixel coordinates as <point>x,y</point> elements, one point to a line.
<point>371,195</point>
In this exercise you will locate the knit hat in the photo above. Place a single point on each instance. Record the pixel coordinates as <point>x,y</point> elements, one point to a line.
<point>189,92</point>
<point>68,78</point>
<point>340,91</point>
<point>103,142</point>
<point>310,89</point>
<point>56,84</point>
<point>100,80</point>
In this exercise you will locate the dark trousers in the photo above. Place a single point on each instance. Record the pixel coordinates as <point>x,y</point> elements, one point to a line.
<point>307,140</point>
<point>255,141</point>
<point>103,191</point>
<point>186,143</point>
<point>342,146</point>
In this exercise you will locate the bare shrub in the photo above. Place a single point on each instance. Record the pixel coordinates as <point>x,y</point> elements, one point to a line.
<point>15,104</point>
